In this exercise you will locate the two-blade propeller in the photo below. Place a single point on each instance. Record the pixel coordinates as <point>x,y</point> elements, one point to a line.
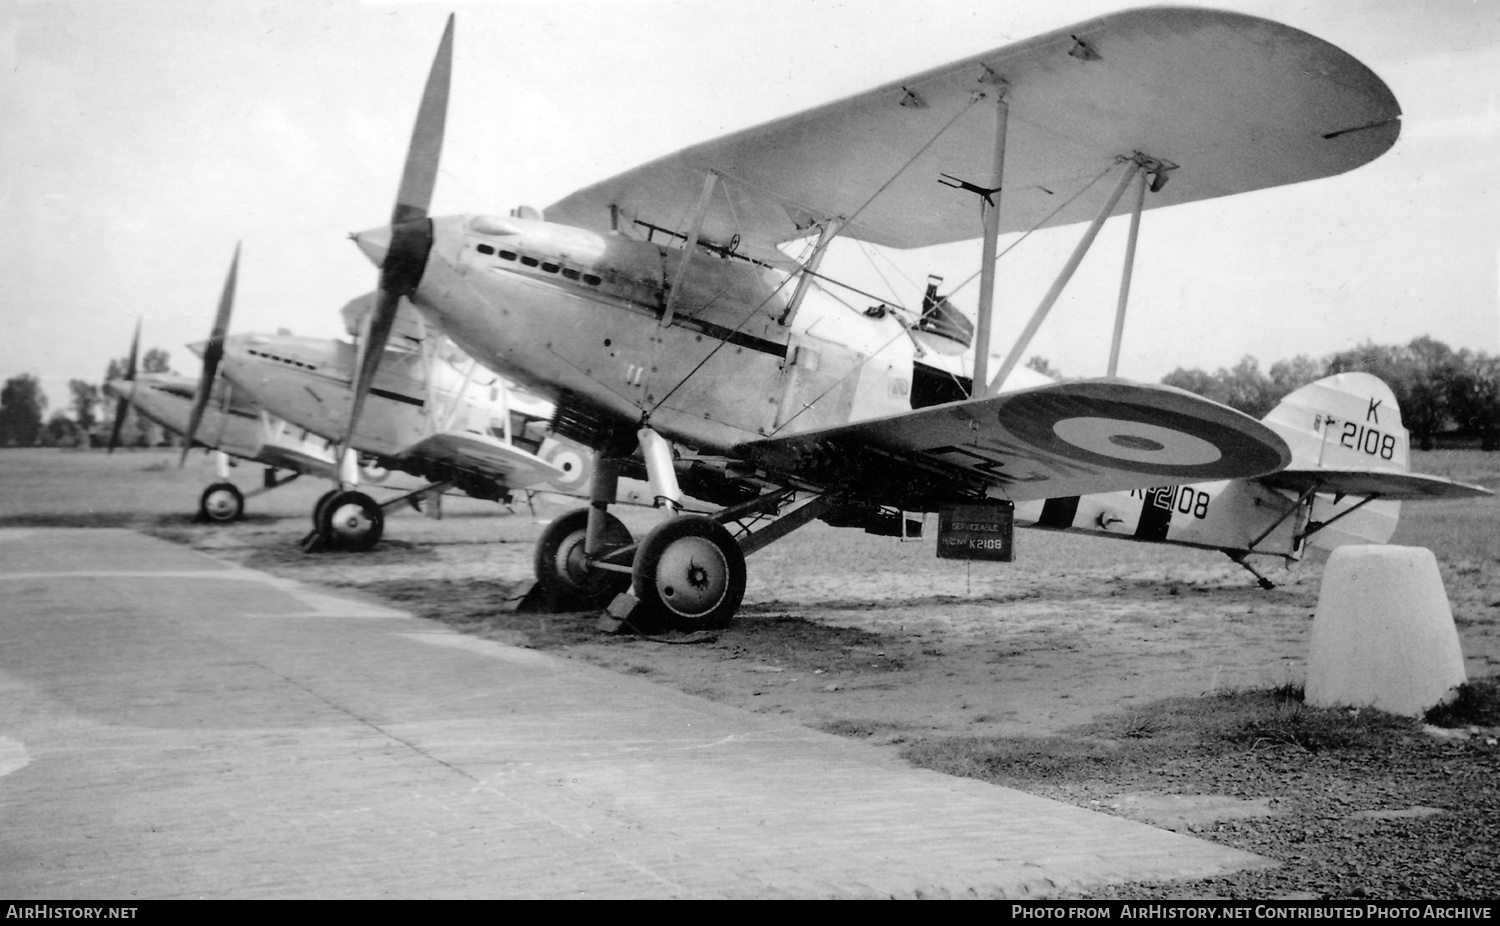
<point>123,403</point>
<point>410,229</point>
<point>213,352</point>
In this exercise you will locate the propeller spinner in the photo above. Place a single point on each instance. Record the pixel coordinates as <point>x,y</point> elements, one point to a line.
<point>408,239</point>
<point>213,352</point>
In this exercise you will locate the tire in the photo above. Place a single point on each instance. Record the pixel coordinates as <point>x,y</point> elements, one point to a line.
<point>690,573</point>
<point>560,565</point>
<point>317,512</point>
<point>351,521</point>
<point>221,503</point>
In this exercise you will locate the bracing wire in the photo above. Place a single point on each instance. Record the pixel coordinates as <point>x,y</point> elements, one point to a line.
<point>1045,219</point>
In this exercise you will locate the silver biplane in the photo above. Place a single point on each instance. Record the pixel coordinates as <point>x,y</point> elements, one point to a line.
<point>658,312</point>
<point>228,424</point>
<point>427,420</point>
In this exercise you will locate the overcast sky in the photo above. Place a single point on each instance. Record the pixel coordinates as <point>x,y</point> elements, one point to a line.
<point>142,139</point>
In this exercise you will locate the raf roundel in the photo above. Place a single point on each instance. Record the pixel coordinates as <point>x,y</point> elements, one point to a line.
<point>1152,435</point>
<point>573,463</point>
<point>1136,441</point>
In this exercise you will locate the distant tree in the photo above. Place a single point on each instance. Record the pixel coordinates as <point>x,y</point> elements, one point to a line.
<point>156,361</point>
<point>22,404</point>
<point>60,431</point>
<point>1195,381</point>
<point>1243,386</point>
<point>1287,376</point>
<point>1474,397</point>
<point>1433,367</point>
<point>85,400</point>
<point>1042,366</point>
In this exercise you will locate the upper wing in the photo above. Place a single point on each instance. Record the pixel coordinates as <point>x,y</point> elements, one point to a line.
<point>487,456</point>
<point>1239,103</point>
<point>1061,439</point>
<point>1384,484</point>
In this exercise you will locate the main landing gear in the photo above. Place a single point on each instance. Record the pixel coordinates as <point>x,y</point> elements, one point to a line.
<point>223,502</point>
<point>687,573</point>
<point>348,520</point>
<point>351,521</point>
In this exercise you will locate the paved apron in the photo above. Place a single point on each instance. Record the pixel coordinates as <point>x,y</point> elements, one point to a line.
<point>172,726</point>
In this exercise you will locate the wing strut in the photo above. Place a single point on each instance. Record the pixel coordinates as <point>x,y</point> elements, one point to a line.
<point>978,389</point>
<point>710,180</point>
<point>826,234</point>
<point>1063,277</point>
<point>1135,230</point>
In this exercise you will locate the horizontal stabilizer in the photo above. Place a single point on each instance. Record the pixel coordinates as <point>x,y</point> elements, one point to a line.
<point>1365,483</point>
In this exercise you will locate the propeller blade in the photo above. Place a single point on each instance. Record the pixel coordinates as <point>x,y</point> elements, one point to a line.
<point>411,231</point>
<point>123,403</point>
<point>213,351</point>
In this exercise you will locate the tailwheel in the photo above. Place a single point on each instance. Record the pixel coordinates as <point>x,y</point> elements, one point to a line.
<point>563,570</point>
<point>690,572</point>
<point>317,512</point>
<point>351,521</point>
<point>221,503</point>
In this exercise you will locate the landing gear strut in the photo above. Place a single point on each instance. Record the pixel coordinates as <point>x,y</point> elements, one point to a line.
<point>562,567</point>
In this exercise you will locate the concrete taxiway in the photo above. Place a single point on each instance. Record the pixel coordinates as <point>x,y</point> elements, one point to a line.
<point>173,726</point>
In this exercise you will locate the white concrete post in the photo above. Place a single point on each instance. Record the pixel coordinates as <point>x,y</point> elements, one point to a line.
<point>1383,634</point>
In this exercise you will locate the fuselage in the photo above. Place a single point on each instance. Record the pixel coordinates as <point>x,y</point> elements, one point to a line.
<point>306,381</point>
<point>577,316</point>
<point>233,426</point>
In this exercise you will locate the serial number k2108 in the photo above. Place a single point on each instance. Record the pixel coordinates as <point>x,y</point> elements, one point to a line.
<point>977,532</point>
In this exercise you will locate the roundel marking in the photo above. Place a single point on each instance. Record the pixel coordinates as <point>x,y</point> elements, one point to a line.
<point>575,468</point>
<point>1148,437</point>
<point>1136,441</point>
<point>373,472</point>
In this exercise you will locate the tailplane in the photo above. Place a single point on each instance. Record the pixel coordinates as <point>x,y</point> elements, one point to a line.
<point>1342,425</point>
<point>1351,457</point>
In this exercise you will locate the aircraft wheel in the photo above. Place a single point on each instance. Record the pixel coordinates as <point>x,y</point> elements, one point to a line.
<point>317,512</point>
<point>351,521</point>
<point>691,572</point>
<point>221,503</point>
<point>562,569</point>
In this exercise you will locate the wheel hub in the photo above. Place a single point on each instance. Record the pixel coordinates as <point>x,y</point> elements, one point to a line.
<point>692,576</point>
<point>350,521</point>
<point>220,505</point>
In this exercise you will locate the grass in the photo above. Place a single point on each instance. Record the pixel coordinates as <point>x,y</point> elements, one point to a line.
<point>1477,704</point>
<point>1218,725</point>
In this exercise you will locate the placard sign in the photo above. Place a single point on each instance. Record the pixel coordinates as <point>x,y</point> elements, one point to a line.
<point>976,532</point>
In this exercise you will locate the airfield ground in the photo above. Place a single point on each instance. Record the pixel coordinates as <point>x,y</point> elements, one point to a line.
<point>1126,678</point>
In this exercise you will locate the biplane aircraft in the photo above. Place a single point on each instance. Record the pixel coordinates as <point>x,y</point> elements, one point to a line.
<point>428,422</point>
<point>1349,473</point>
<point>657,311</point>
<point>437,415</point>
<point>230,425</point>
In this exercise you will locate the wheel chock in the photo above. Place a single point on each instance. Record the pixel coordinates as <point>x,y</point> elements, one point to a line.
<point>618,612</point>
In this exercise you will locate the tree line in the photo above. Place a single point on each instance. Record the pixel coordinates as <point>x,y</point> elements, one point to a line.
<point>1445,395</point>
<point>23,410</point>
